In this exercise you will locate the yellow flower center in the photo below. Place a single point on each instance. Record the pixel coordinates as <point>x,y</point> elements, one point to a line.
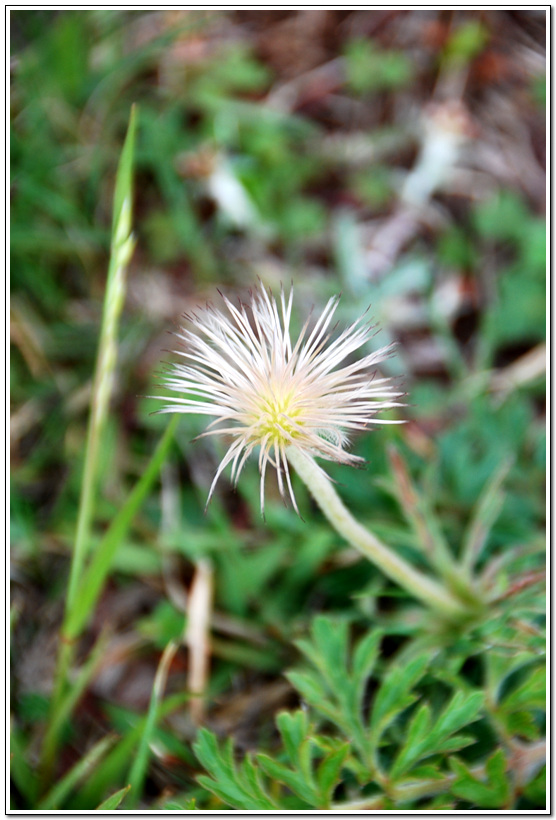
<point>277,417</point>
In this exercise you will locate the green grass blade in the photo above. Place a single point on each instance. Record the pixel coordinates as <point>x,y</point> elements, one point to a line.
<point>121,218</point>
<point>56,796</point>
<point>71,698</point>
<point>116,763</point>
<point>99,566</point>
<point>114,800</point>
<point>22,774</point>
<point>91,587</point>
<point>120,254</point>
<point>139,766</point>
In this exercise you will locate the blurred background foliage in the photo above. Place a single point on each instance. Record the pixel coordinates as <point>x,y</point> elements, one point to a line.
<point>396,156</point>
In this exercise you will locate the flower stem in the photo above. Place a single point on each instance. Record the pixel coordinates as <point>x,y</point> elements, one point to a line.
<point>419,585</point>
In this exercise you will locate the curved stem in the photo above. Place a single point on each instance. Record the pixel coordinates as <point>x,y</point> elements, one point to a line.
<point>419,585</point>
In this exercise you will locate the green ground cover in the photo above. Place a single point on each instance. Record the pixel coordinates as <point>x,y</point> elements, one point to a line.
<point>395,157</point>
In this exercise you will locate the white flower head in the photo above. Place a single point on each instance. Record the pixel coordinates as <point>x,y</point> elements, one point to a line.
<point>266,391</point>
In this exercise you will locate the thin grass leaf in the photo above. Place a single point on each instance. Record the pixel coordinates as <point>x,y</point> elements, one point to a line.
<point>120,255</point>
<point>114,800</point>
<point>23,776</point>
<point>72,696</point>
<point>122,214</point>
<point>139,767</point>
<point>57,795</point>
<point>116,762</point>
<point>99,566</point>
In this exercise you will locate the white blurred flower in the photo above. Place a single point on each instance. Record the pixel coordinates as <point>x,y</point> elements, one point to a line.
<point>267,392</point>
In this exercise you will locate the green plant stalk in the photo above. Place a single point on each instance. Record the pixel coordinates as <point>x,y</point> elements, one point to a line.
<point>90,589</point>
<point>122,244</point>
<point>528,760</point>
<point>139,766</point>
<point>99,566</point>
<point>68,704</point>
<point>116,762</point>
<point>419,585</point>
<point>120,255</point>
<point>82,768</point>
<point>121,249</point>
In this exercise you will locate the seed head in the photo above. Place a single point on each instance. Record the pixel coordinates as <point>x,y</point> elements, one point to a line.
<point>267,392</point>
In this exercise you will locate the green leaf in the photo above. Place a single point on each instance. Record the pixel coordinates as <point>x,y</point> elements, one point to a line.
<point>364,659</point>
<point>417,731</point>
<point>114,800</point>
<point>239,787</point>
<point>394,694</point>
<point>22,774</point>
<point>328,773</point>
<point>101,561</point>
<point>462,710</point>
<point>294,728</point>
<point>426,772</point>
<point>139,765</point>
<point>337,688</point>
<point>502,217</point>
<point>186,805</point>
<point>531,694</point>
<point>485,514</point>
<point>522,724</point>
<point>60,791</point>
<point>116,763</point>
<point>535,791</point>
<point>425,738</point>
<point>121,220</point>
<point>328,650</point>
<point>300,747</point>
<point>491,793</point>
<point>309,687</point>
<point>292,779</point>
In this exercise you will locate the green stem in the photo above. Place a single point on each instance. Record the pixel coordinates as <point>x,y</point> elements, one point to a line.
<point>527,760</point>
<point>89,590</point>
<point>100,563</point>
<point>121,250</point>
<point>419,585</point>
<point>140,760</point>
<point>67,703</point>
<point>100,398</point>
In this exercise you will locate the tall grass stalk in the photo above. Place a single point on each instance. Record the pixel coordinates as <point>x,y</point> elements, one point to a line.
<point>121,249</point>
